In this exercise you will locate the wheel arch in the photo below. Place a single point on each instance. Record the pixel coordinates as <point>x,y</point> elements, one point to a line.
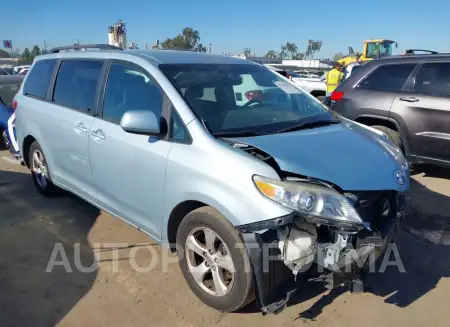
<point>176,216</point>
<point>28,140</point>
<point>371,120</point>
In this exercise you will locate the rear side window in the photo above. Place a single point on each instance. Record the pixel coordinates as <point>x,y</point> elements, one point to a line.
<point>76,84</point>
<point>39,77</point>
<point>433,78</point>
<point>388,77</point>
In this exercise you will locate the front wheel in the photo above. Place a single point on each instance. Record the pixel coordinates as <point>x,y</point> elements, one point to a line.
<point>214,262</point>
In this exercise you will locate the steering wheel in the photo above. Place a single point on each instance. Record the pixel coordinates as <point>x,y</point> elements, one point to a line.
<point>248,104</point>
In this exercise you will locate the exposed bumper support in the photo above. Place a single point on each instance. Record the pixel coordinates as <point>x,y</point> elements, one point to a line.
<point>274,282</point>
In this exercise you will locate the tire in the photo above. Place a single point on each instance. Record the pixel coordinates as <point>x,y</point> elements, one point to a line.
<point>394,136</point>
<point>240,291</point>
<point>42,182</point>
<point>3,144</point>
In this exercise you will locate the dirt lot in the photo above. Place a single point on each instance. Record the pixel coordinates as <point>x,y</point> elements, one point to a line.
<point>114,294</point>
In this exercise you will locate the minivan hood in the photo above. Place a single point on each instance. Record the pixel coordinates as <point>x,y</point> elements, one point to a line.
<point>345,154</point>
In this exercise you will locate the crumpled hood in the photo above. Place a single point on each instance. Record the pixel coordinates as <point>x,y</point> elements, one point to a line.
<point>345,154</point>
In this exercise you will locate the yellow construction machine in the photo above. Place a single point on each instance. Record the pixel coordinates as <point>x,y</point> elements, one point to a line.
<point>372,49</point>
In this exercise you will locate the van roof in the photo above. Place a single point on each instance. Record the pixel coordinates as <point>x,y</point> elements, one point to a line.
<point>157,56</point>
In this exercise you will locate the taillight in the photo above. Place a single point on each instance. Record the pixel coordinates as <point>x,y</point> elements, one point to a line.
<point>336,95</point>
<point>14,104</point>
<point>254,95</point>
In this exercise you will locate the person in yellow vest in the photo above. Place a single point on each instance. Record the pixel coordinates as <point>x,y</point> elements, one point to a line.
<point>333,78</point>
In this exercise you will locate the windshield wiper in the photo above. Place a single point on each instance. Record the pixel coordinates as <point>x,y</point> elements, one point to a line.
<point>312,124</point>
<point>235,134</point>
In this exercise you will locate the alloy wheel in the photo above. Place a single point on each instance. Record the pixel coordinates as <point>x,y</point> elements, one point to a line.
<point>39,169</point>
<point>209,261</point>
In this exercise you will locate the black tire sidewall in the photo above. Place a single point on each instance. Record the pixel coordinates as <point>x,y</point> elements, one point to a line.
<point>242,289</point>
<point>50,188</point>
<point>394,136</point>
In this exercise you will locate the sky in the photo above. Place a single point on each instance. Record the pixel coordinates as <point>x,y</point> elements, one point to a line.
<point>231,25</point>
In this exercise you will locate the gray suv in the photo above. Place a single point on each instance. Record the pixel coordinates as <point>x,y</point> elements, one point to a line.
<point>163,140</point>
<point>406,97</point>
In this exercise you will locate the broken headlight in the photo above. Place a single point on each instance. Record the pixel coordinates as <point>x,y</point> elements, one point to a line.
<point>310,200</point>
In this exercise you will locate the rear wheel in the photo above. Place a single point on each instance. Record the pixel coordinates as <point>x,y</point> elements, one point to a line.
<point>215,267</point>
<point>394,136</point>
<point>39,171</point>
<point>4,143</point>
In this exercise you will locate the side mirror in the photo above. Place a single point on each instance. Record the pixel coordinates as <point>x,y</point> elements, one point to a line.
<point>141,122</point>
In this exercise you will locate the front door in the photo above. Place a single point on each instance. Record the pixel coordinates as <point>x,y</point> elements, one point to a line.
<point>426,110</point>
<point>129,169</point>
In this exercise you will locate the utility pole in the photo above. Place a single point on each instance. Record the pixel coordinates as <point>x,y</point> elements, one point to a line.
<point>45,46</point>
<point>210,46</point>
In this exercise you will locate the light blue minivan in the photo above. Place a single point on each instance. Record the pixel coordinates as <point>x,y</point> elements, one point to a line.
<point>251,195</point>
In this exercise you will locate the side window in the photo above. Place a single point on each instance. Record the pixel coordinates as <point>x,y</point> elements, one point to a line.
<point>388,77</point>
<point>39,77</point>
<point>130,88</point>
<point>76,84</point>
<point>433,78</point>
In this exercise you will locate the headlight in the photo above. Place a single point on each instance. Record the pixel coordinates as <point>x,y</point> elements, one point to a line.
<point>311,201</point>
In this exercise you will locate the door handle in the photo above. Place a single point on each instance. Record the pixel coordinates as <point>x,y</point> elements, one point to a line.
<point>98,135</point>
<point>80,128</point>
<point>409,99</point>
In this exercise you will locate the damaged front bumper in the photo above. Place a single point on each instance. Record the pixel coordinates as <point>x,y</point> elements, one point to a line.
<point>275,282</point>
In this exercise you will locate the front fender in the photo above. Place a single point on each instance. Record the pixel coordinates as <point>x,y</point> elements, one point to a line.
<point>221,179</point>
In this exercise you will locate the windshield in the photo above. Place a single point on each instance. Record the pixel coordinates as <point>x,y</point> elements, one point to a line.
<point>377,49</point>
<point>243,98</point>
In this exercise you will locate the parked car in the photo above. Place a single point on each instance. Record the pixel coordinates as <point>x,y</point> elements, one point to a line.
<point>351,68</point>
<point>9,70</point>
<point>407,97</point>
<point>9,86</point>
<point>17,69</point>
<point>4,72</point>
<point>223,183</point>
<point>307,74</point>
<point>315,86</point>
<point>23,71</point>
<point>348,70</point>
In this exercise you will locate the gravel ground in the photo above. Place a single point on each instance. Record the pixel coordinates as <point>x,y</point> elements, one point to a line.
<point>114,294</point>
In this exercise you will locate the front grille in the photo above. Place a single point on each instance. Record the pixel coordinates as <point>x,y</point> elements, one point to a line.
<point>374,206</point>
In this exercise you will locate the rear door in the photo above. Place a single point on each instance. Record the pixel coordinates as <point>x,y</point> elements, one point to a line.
<point>374,94</point>
<point>129,169</point>
<point>66,120</point>
<point>425,107</point>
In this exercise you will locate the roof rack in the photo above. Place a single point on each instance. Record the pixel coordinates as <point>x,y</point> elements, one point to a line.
<point>413,51</point>
<point>85,46</point>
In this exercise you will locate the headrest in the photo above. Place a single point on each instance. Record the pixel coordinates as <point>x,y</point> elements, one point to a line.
<point>194,92</point>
